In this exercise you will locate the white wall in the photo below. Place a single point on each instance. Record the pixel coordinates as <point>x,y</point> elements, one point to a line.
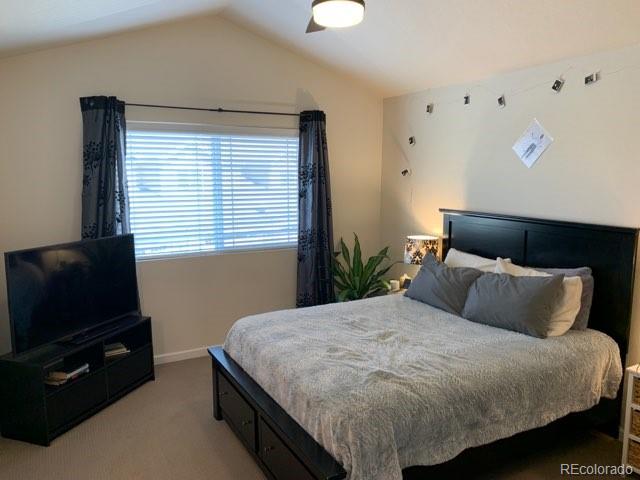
<point>202,62</point>
<point>463,157</point>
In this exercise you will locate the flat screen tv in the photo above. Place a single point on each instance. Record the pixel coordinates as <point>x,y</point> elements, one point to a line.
<point>61,291</point>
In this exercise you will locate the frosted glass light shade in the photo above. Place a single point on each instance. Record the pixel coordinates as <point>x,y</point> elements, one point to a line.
<point>338,13</point>
<point>418,247</point>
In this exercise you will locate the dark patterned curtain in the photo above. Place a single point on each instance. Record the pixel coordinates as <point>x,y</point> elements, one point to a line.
<point>315,224</point>
<point>105,209</point>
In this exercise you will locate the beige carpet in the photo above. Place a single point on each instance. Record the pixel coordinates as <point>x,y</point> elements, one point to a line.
<point>164,430</point>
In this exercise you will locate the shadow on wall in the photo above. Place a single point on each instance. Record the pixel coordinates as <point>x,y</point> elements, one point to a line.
<point>398,200</point>
<point>305,101</point>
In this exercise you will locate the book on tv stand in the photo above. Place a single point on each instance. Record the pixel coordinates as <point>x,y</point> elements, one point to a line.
<point>61,377</point>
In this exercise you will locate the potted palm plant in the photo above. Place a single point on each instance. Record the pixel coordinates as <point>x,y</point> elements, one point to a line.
<point>355,279</point>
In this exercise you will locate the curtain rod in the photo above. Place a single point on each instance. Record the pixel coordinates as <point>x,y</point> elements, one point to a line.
<point>217,110</point>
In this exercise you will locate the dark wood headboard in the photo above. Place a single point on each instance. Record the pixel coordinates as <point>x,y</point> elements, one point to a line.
<point>609,251</point>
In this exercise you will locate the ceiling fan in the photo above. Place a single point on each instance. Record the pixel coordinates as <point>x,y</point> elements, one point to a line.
<point>335,14</point>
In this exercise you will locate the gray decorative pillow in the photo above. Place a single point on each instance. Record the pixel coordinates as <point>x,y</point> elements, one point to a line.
<point>585,274</point>
<point>441,286</point>
<point>521,304</point>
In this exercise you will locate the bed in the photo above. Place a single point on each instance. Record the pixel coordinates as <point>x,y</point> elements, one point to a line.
<point>364,389</point>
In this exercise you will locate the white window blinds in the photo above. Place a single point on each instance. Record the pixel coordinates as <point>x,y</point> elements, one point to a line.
<point>193,192</point>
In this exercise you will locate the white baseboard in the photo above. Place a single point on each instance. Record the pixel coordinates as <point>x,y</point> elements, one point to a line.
<point>177,356</point>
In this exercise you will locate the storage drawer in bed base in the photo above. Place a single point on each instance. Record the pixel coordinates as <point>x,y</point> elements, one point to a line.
<point>238,413</point>
<point>280,460</point>
<point>281,447</point>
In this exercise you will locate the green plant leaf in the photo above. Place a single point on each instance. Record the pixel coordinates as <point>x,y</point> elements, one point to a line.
<point>341,275</point>
<point>357,257</point>
<point>345,251</point>
<point>373,263</point>
<point>383,271</point>
<point>339,285</point>
<point>346,295</point>
<point>377,277</point>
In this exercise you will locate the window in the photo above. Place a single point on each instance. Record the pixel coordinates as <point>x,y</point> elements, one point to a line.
<point>197,191</point>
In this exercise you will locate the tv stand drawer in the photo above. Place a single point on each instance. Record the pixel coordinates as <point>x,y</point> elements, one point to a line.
<point>76,400</point>
<point>125,372</point>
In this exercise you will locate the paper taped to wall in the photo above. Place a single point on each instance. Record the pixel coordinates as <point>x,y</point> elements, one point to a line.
<point>533,142</point>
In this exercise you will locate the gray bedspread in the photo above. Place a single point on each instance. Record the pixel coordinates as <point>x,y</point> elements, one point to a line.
<point>390,382</point>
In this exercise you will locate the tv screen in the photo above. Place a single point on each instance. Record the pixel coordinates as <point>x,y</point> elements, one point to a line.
<point>62,290</point>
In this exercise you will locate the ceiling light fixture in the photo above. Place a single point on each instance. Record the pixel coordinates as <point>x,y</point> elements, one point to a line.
<point>337,13</point>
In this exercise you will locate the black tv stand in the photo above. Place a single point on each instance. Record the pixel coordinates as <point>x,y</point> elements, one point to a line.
<point>35,412</point>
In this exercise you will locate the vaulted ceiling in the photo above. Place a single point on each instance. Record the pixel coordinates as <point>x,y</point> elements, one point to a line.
<point>402,45</point>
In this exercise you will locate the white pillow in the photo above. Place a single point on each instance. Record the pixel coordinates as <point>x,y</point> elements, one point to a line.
<point>569,305</point>
<point>456,258</point>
